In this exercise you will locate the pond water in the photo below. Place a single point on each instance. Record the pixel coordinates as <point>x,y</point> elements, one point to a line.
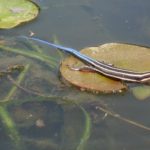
<point>45,113</point>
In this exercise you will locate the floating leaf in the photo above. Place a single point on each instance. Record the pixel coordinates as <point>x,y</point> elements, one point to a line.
<point>131,57</point>
<point>141,92</point>
<point>14,12</point>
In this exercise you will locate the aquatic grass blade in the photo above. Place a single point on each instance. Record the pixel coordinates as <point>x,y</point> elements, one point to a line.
<point>44,58</point>
<point>86,132</point>
<point>11,128</point>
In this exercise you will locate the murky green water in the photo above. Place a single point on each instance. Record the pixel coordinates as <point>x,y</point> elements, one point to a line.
<point>58,116</point>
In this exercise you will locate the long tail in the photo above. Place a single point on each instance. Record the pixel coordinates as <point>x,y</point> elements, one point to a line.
<point>66,49</point>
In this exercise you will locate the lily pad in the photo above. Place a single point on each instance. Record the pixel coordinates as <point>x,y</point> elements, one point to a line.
<point>126,56</point>
<point>14,12</point>
<point>141,92</point>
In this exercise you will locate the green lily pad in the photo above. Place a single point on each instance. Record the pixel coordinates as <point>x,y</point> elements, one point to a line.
<point>126,56</point>
<point>14,12</point>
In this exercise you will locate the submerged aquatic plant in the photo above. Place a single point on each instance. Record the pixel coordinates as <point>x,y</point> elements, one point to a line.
<point>34,93</point>
<point>10,98</point>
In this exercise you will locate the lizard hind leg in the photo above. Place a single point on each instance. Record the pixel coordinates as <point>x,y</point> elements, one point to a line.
<point>83,68</point>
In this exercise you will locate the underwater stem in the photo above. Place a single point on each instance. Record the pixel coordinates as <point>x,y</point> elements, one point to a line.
<point>50,60</point>
<point>87,130</point>
<point>11,128</point>
<point>14,88</point>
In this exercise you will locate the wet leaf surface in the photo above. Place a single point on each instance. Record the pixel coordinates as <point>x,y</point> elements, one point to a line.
<point>126,56</point>
<point>16,12</point>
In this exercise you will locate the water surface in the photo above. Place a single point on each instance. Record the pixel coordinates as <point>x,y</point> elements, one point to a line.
<point>57,122</point>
